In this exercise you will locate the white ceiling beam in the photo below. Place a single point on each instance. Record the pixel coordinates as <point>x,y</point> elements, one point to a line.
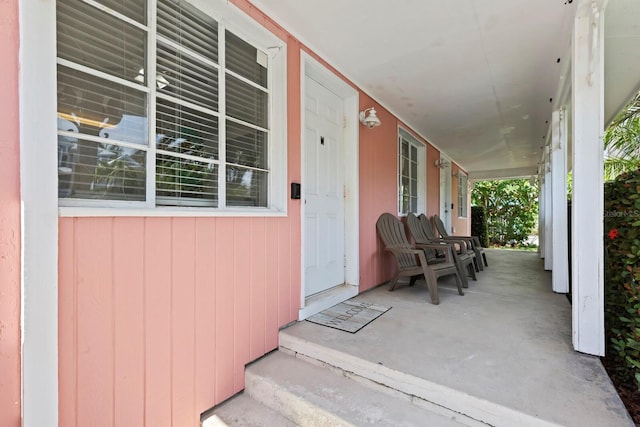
<point>513,173</point>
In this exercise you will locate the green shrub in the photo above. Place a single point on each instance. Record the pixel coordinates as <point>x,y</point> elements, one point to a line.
<point>622,273</point>
<point>511,208</point>
<point>479,225</point>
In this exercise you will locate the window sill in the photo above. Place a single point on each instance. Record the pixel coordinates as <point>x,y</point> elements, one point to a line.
<point>73,211</point>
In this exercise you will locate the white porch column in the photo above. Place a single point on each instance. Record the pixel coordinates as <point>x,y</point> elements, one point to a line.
<point>560,255</point>
<point>548,213</point>
<point>541,237</point>
<point>588,192</point>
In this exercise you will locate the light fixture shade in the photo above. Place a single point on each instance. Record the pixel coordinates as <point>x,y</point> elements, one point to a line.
<point>369,118</point>
<point>439,163</point>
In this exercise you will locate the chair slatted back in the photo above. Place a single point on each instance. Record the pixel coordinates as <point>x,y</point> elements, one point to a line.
<point>427,228</point>
<point>419,235</point>
<point>437,222</point>
<point>416,229</point>
<point>392,232</point>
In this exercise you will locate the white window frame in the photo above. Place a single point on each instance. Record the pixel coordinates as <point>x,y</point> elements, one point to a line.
<point>463,193</point>
<point>421,171</point>
<point>233,19</point>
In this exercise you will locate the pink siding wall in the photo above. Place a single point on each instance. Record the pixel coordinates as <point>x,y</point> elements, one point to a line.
<point>158,316</point>
<point>378,192</point>
<point>9,218</point>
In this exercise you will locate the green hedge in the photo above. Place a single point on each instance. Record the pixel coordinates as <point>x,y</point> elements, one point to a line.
<point>622,273</point>
<point>479,225</point>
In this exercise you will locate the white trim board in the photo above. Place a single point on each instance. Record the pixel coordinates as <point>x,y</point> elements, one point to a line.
<point>39,189</point>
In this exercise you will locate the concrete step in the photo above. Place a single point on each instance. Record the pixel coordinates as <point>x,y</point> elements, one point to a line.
<point>453,404</point>
<point>313,395</point>
<point>243,411</point>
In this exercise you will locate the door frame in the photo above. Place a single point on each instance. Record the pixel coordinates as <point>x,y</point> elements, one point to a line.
<point>310,67</point>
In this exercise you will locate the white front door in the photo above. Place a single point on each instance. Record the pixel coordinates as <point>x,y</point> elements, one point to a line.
<point>323,189</point>
<point>445,192</point>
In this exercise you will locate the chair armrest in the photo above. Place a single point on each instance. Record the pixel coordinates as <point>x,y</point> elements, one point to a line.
<point>464,242</point>
<point>465,245</point>
<point>399,250</point>
<point>403,250</point>
<point>446,248</point>
<point>475,240</point>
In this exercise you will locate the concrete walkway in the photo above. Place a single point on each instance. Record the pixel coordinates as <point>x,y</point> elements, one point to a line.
<point>500,354</point>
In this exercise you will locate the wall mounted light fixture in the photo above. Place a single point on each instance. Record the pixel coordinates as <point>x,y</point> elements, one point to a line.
<point>441,163</point>
<point>369,119</point>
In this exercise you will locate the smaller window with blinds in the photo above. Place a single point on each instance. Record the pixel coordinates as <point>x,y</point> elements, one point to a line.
<point>462,195</point>
<point>412,181</point>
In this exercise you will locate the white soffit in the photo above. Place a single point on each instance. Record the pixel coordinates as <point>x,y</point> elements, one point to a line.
<point>474,77</point>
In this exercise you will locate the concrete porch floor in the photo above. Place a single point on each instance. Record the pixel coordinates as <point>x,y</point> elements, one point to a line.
<point>505,345</point>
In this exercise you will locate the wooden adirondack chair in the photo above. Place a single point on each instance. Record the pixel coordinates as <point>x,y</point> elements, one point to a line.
<point>463,245</point>
<point>462,260</point>
<point>474,240</point>
<point>412,261</point>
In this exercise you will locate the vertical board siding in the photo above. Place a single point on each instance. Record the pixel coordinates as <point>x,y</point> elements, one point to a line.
<point>183,321</point>
<point>242,301</point>
<point>157,321</point>
<point>95,322</point>
<point>128,321</point>
<point>378,192</point>
<point>159,316</point>
<point>284,274</point>
<point>205,303</point>
<point>225,307</point>
<point>258,291</point>
<point>294,267</point>
<point>271,301</point>
<point>67,324</point>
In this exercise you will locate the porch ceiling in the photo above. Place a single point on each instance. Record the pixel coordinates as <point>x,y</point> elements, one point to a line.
<point>474,77</point>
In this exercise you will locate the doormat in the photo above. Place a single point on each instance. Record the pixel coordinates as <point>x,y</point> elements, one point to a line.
<point>349,316</point>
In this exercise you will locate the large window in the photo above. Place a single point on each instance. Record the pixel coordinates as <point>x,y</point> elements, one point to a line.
<point>462,195</point>
<point>411,174</point>
<point>161,104</point>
